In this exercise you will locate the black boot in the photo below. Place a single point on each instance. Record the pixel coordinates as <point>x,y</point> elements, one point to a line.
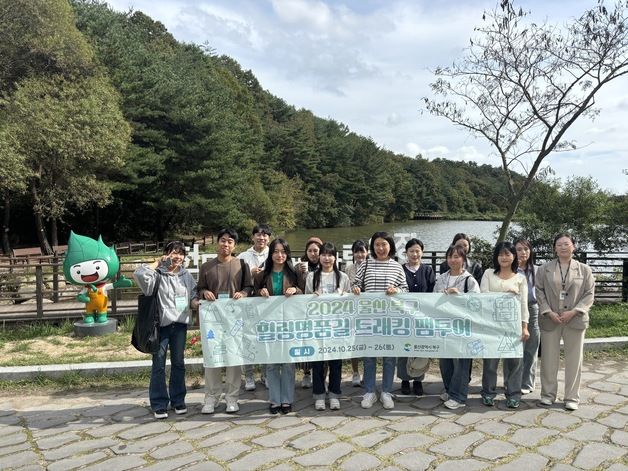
<point>417,387</point>
<point>405,387</point>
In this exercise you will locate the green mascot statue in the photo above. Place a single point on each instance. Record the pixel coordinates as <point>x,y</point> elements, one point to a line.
<point>91,263</point>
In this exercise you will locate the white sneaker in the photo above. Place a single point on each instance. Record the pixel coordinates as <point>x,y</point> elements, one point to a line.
<point>208,407</point>
<point>334,404</point>
<point>545,401</point>
<point>444,397</point>
<point>319,404</point>
<point>526,391</point>
<point>453,404</point>
<point>387,400</point>
<point>249,383</point>
<point>232,406</point>
<point>571,405</point>
<point>306,382</point>
<point>355,379</point>
<point>161,414</point>
<point>368,400</point>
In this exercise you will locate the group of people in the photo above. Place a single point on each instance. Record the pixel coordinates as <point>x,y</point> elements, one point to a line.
<point>555,299</point>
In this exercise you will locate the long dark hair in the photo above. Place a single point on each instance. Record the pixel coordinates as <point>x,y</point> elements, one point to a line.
<point>305,258</point>
<point>288,269</point>
<point>329,249</point>
<point>505,247</point>
<point>529,268</point>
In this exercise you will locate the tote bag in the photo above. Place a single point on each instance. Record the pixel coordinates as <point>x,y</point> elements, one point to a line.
<point>145,336</point>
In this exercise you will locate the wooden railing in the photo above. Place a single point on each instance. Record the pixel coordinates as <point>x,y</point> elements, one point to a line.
<point>36,288</point>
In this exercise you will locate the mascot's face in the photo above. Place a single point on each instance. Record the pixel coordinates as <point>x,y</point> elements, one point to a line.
<point>91,271</point>
<point>89,261</point>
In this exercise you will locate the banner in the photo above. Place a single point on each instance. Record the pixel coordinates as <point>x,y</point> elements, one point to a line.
<point>299,328</point>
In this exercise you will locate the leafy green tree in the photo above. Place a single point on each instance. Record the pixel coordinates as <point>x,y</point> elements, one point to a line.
<point>522,85</point>
<point>581,207</point>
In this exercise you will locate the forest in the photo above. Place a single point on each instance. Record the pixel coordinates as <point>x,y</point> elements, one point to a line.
<point>110,126</point>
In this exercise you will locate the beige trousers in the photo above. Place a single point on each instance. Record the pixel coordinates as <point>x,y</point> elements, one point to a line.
<point>213,383</point>
<point>573,340</point>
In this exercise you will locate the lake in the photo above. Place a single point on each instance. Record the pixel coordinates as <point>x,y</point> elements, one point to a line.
<point>435,235</point>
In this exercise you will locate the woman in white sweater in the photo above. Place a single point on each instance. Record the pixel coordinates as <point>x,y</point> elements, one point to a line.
<point>504,278</point>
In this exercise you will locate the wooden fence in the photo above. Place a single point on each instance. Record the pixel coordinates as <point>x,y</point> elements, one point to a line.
<point>35,288</point>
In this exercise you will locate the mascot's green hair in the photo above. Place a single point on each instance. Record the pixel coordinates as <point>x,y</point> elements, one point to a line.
<point>82,249</point>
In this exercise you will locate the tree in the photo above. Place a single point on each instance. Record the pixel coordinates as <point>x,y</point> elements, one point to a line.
<point>580,206</point>
<point>522,85</point>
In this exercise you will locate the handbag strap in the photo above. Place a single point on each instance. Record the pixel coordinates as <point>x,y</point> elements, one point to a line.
<point>364,274</point>
<point>157,283</point>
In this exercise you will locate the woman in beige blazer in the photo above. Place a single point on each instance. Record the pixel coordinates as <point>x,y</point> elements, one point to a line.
<point>564,290</point>
<point>279,278</point>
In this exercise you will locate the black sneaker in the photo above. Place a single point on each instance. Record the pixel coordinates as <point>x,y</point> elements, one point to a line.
<point>161,414</point>
<point>417,388</point>
<point>179,410</point>
<point>405,387</point>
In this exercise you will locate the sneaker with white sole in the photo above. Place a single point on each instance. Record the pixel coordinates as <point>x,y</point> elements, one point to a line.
<point>545,402</point>
<point>209,406</point>
<point>453,404</point>
<point>571,405</point>
<point>249,383</point>
<point>180,409</point>
<point>161,414</point>
<point>232,407</point>
<point>334,404</point>
<point>355,380</point>
<point>306,382</point>
<point>444,397</point>
<point>368,400</point>
<point>526,390</point>
<point>387,400</point>
<point>319,404</point>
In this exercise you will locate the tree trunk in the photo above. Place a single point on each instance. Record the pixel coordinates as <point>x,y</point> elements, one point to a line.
<point>6,218</point>
<point>54,236</point>
<point>512,209</point>
<point>39,226</point>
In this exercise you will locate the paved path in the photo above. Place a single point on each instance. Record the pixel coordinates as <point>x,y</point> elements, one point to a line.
<point>115,431</point>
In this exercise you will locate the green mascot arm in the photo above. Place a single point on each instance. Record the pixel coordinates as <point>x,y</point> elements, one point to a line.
<point>82,297</point>
<point>123,282</point>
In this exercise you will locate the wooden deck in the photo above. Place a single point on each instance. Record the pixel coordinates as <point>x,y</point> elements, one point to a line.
<point>62,310</point>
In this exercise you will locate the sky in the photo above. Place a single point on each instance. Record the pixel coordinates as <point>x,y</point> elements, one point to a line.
<point>368,63</point>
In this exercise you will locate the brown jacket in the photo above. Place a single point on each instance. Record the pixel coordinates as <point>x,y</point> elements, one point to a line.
<point>580,288</point>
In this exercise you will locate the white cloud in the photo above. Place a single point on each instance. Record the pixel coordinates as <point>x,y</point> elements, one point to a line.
<point>367,63</point>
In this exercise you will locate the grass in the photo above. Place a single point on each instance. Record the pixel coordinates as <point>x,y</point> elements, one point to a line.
<point>608,320</point>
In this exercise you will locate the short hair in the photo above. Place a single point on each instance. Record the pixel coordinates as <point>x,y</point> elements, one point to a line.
<point>230,232</point>
<point>462,236</point>
<point>174,246</point>
<point>561,235</point>
<point>459,250</point>
<point>414,241</point>
<point>388,238</point>
<point>263,228</point>
<point>505,246</point>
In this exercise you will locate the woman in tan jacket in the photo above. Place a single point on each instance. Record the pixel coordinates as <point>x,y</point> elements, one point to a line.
<point>279,278</point>
<point>565,291</point>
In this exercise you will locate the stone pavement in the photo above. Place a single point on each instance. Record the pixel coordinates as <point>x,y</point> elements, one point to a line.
<point>116,431</point>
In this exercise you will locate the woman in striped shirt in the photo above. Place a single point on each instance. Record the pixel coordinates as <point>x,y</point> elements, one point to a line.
<point>380,273</point>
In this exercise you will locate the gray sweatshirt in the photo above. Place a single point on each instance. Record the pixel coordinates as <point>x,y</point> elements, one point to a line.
<point>176,291</point>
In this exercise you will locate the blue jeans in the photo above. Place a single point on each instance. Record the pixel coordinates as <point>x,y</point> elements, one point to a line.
<point>388,373</point>
<point>160,395</point>
<point>455,374</point>
<point>280,379</point>
<point>318,376</point>
<point>531,349</point>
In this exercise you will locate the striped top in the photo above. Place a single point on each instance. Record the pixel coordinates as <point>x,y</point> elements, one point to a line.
<point>376,275</point>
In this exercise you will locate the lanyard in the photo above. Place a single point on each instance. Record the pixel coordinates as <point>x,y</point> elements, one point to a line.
<point>563,279</point>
